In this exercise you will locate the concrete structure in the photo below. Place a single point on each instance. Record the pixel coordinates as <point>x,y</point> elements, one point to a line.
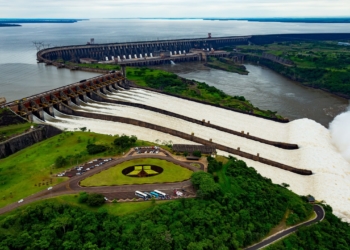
<point>138,50</point>
<point>87,60</point>
<point>46,101</point>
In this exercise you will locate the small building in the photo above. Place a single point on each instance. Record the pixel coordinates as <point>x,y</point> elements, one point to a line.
<point>311,199</point>
<point>182,148</point>
<point>87,60</point>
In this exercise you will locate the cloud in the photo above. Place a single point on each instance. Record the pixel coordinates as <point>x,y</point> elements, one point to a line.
<point>172,8</point>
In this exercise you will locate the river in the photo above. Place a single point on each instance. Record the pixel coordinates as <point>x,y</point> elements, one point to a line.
<point>268,90</point>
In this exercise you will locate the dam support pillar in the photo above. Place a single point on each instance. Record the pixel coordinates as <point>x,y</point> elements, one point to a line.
<point>50,111</point>
<point>75,100</point>
<point>39,114</point>
<point>29,116</point>
<point>83,97</point>
<point>103,90</point>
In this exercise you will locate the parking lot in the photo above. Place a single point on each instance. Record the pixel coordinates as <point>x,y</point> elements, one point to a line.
<point>170,194</point>
<point>81,169</point>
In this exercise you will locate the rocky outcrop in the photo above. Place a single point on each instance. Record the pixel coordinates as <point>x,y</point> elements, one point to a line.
<point>27,139</point>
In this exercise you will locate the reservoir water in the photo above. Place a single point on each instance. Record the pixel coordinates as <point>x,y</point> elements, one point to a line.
<point>21,76</point>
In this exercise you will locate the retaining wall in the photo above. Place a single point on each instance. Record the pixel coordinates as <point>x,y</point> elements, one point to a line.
<point>25,140</point>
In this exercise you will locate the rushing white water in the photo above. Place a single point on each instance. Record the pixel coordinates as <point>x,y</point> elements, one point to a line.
<point>330,181</point>
<point>340,131</point>
<point>72,123</point>
<point>255,126</point>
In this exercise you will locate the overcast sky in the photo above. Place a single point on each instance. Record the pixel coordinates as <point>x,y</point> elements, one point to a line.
<point>172,8</point>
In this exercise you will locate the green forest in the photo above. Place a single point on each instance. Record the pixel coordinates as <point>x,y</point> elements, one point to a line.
<point>323,64</point>
<point>235,207</point>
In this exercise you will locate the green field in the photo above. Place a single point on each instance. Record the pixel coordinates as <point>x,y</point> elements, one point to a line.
<point>114,176</point>
<point>28,171</point>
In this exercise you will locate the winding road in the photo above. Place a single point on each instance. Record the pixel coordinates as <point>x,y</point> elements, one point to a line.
<point>72,186</point>
<point>320,214</point>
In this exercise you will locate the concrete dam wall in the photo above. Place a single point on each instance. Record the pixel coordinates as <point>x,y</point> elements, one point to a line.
<point>136,49</point>
<point>25,140</point>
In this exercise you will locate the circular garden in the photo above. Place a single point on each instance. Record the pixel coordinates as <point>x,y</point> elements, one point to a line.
<point>139,171</point>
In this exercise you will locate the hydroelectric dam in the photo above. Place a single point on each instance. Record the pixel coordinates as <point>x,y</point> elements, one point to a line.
<point>65,99</point>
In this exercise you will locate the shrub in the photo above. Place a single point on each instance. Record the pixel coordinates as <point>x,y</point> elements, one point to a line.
<point>95,149</point>
<point>83,196</point>
<point>197,154</point>
<point>125,141</point>
<point>95,200</point>
<point>60,161</point>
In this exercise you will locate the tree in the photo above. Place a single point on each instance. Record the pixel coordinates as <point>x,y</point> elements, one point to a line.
<point>60,161</point>
<point>95,149</point>
<point>205,184</point>
<point>125,141</point>
<point>83,129</point>
<point>197,153</point>
<point>95,200</point>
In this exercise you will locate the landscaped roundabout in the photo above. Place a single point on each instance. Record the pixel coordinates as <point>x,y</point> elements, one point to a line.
<point>139,171</point>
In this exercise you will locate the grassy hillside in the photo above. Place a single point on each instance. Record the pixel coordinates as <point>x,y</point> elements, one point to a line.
<point>32,169</point>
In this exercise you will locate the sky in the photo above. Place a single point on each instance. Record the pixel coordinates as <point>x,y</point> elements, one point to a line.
<point>172,8</point>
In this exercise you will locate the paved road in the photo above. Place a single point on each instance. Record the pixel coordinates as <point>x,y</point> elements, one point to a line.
<point>72,186</point>
<point>320,216</point>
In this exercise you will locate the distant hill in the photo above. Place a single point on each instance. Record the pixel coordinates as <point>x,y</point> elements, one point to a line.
<point>10,22</point>
<point>286,20</point>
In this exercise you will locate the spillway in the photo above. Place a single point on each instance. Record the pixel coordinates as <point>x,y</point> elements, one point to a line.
<point>330,181</point>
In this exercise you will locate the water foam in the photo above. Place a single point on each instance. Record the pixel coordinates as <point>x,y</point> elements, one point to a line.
<point>340,132</point>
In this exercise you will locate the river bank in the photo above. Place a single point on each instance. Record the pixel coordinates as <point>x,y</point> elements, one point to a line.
<point>268,90</point>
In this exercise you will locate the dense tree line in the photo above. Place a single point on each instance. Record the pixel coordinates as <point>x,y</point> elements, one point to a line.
<point>238,209</point>
<point>167,82</point>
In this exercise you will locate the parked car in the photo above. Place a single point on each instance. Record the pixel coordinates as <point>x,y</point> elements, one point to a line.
<point>20,201</point>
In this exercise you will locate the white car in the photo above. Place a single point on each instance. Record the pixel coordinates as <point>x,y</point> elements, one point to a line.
<point>49,188</point>
<point>87,169</point>
<point>20,201</point>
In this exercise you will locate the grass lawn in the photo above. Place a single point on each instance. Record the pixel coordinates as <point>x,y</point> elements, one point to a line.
<point>28,171</point>
<point>114,176</point>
